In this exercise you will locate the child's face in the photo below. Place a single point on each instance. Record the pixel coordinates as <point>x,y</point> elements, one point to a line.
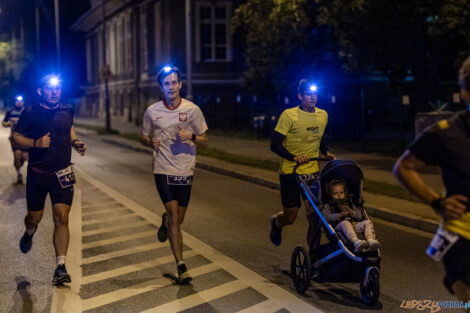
<point>337,192</point>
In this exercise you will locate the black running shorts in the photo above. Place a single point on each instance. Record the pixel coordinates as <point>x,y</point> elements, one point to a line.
<point>171,192</point>
<point>290,190</point>
<point>39,185</point>
<point>457,264</point>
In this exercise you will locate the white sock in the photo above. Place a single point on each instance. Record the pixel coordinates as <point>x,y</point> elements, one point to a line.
<point>18,171</point>
<point>179,263</point>
<point>31,231</point>
<point>60,259</point>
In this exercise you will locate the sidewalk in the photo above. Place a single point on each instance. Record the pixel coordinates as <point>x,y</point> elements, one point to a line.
<point>375,167</point>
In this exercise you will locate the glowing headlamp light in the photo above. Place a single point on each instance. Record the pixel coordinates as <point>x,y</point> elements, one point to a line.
<point>54,82</point>
<point>313,88</point>
<point>19,98</point>
<point>166,69</point>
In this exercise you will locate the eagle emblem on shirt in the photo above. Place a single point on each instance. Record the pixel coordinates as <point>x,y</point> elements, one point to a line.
<point>183,117</point>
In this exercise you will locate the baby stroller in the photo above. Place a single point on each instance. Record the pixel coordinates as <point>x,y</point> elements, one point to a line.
<point>335,261</point>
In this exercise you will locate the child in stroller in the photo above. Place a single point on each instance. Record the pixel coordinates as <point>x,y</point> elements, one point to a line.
<point>347,219</point>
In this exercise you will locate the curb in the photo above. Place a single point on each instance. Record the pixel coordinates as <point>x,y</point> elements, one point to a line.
<point>405,219</point>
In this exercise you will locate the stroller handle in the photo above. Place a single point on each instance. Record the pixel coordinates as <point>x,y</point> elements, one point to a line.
<point>311,159</point>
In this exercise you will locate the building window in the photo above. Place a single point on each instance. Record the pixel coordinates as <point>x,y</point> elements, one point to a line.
<point>213,40</point>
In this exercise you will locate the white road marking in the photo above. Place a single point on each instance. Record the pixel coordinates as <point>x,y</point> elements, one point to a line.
<point>100,243</point>
<point>247,276</point>
<point>116,254</point>
<point>108,219</point>
<point>265,306</point>
<point>134,290</point>
<point>133,268</point>
<point>113,228</point>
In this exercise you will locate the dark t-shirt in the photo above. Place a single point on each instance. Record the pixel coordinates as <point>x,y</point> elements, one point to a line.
<point>37,121</point>
<point>447,145</point>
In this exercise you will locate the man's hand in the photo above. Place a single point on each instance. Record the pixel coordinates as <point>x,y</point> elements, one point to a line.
<point>80,147</point>
<point>330,155</point>
<point>452,207</point>
<point>6,124</point>
<point>302,159</point>
<point>183,135</point>
<point>155,144</point>
<point>44,142</point>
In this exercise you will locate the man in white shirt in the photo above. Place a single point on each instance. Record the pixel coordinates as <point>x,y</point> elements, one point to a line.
<point>174,128</point>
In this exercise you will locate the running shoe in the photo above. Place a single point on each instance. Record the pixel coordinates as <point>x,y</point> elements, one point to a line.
<point>26,242</point>
<point>163,230</point>
<point>183,275</point>
<point>275,233</point>
<point>61,276</point>
<point>19,180</point>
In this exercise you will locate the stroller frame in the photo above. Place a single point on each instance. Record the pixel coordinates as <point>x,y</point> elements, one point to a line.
<point>302,268</point>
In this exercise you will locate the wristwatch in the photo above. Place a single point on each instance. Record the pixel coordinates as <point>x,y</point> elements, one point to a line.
<point>436,204</point>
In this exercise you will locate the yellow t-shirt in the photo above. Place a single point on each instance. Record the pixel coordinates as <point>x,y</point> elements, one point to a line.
<point>460,225</point>
<point>303,131</point>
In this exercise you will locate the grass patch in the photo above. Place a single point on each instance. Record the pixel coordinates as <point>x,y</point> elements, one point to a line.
<point>387,189</point>
<point>98,129</point>
<point>238,159</point>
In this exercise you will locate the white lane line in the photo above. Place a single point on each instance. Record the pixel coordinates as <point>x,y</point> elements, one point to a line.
<point>116,254</point>
<point>113,228</point>
<point>108,219</point>
<point>199,298</point>
<point>68,300</point>
<point>114,211</point>
<point>265,306</point>
<point>100,243</point>
<point>88,206</point>
<point>134,268</point>
<point>106,210</point>
<point>288,301</point>
<point>134,290</point>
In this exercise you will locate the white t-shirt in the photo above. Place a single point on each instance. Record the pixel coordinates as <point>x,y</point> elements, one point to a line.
<point>173,157</point>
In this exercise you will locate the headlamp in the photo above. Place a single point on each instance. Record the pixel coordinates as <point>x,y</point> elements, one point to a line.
<point>19,98</point>
<point>313,88</point>
<point>166,69</point>
<point>53,82</point>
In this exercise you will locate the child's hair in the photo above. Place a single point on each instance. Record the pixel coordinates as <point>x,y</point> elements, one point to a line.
<point>337,182</point>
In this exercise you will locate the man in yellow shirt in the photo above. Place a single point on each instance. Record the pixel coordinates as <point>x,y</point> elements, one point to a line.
<point>447,145</point>
<point>298,136</point>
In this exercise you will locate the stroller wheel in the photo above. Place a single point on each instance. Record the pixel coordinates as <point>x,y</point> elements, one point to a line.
<point>301,269</point>
<point>370,287</point>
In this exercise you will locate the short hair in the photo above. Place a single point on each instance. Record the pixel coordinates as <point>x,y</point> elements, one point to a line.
<point>164,72</point>
<point>464,74</point>
<point>304,85</point>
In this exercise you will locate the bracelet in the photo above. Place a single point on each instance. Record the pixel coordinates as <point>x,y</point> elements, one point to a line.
<point>193,137</point>
<point>436,204</point>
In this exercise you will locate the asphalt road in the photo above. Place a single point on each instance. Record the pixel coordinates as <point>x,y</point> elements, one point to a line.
<point>227,214</point>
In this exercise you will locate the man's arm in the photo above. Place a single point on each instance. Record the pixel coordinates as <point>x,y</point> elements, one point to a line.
<point>78,145</point>
<point>6,120</point>
<point>406,171</point>
<point>277,147</point>
<point>22,141</point>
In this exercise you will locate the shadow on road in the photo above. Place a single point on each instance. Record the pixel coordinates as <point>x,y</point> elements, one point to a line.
<point>22,299</point>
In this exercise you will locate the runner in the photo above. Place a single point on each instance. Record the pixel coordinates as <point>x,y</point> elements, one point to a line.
<point>447,145</point>
<point>11,119</point>
<point>47,130</point>
<point>297,137</point>
<point>174,128</point>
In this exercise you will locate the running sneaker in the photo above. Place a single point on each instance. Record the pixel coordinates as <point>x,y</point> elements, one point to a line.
<point>183,275</point>
<point>61,276</point>
<point>275,233</point>
<point>19,180</point>
<point>163,230</point>
<point>26,242</point>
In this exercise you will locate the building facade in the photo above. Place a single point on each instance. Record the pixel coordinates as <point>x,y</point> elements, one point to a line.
<point>142,37</point>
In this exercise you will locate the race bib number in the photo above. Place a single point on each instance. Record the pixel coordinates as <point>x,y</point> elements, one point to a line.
<point>66,177</point>
<point>441,243</point>
<point>179,180</point>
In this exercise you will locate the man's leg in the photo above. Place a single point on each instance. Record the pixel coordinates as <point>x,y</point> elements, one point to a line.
<point>174,230</point>
<point>60,212</point>
<point>287,216</point>
<point>61,228</point>
<point>313,235</point>
<point>461,290</point>
<point>18,163</point>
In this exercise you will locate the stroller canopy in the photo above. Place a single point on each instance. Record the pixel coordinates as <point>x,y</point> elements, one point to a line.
<point>349,172</point>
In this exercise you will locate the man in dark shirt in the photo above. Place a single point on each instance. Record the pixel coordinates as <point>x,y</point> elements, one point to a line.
<point>447,145</point>
<point>47,130</point>
<point>11,119</point>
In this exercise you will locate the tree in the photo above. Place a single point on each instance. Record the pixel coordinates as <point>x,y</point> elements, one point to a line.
<point>282,43</point>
